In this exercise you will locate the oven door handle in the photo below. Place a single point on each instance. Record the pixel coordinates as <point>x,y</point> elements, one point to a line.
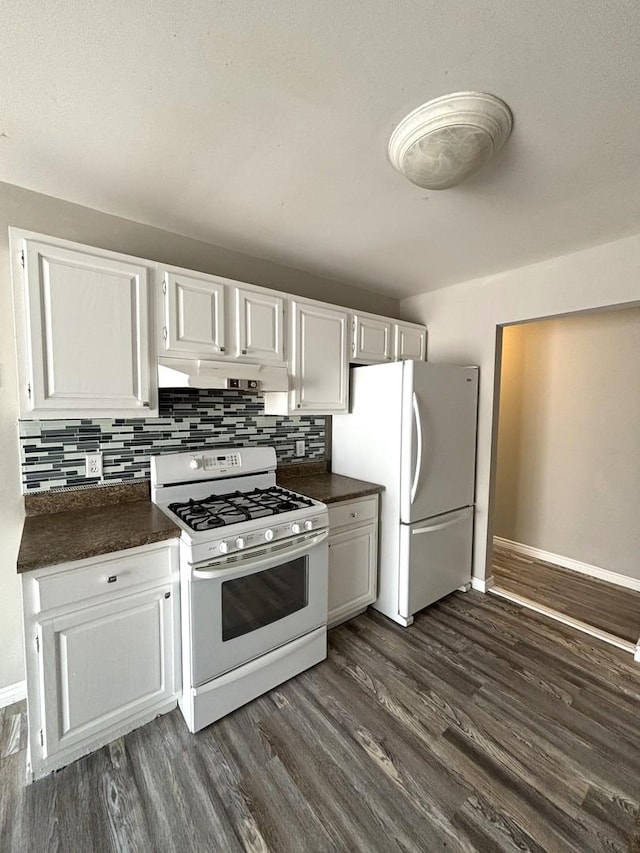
<point>279,554</point>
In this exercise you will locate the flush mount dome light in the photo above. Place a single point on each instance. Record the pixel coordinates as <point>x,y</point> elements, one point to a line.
<point>444,141</point>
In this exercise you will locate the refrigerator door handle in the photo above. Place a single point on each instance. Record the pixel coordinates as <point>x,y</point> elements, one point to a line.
<point>416,473</point>
<point>430,528</point>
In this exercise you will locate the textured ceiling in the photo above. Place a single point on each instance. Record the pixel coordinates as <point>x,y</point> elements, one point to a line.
<point>263,127</point>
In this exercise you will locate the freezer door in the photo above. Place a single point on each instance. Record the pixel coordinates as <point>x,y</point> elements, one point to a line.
<point>435,559</point>
<point>439,414</point>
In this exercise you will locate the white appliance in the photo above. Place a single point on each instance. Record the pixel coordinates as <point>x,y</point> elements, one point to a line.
<point>253,576</point>
<point>413,430</point>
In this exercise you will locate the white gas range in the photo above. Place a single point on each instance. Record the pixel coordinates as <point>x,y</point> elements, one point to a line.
<point>253,569</point>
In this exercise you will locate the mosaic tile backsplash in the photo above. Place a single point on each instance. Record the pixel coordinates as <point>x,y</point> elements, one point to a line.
<point>52,452</point>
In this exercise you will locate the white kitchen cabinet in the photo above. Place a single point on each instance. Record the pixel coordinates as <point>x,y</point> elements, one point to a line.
<point>410,342</point>
<point>101,665</point>
<point>194,317</point>
<point>353,557</point>
<point>318,361</point>
<point>372,339</point>
<point>217,319</point>
<point>259,325</point>
<point>83,328</point>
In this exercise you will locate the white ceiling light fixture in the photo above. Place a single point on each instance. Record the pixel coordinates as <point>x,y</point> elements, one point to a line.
<point>442,142</point>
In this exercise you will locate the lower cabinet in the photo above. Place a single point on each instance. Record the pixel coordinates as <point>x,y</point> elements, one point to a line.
<point>353,557</point>
<point>99,666</point>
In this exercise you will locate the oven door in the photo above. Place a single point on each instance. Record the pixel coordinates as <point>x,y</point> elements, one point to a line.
<point>259,603</point>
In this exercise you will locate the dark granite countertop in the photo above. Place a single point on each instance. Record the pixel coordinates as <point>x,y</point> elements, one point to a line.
<point>98,522</point>
<point>73,525</point>
<point>325,486</point>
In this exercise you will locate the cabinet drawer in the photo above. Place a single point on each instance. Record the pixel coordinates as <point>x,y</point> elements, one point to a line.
<point>103,577</point>
<point>353,512</point>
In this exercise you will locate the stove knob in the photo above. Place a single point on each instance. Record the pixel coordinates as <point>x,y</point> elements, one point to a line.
<point>308,525</point>
<point>240,542</point>
<point>268,535</point>
<point>195,463</point>
<point>295,527</point>
<point>223,547</point>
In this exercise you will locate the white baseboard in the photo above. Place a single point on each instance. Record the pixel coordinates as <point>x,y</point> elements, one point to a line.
<point>482,584</point>
<point>13,693</point>
<point>568,563</point>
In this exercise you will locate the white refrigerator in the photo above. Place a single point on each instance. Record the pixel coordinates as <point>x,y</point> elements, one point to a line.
<point>412,429</point>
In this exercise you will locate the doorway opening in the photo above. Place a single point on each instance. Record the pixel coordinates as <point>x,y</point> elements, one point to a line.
<point>566,505</point>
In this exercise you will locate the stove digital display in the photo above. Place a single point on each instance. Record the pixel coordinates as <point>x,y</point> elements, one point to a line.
<point>228,460</point>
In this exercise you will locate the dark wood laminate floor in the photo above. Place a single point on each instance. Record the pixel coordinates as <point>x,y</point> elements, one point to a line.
<point>604,605</point>
<point>482,727</point>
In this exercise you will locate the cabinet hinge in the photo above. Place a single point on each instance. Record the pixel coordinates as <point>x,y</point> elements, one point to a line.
<point>164,332</point>
<point>164,287</point>
<point>29,390</point>
<point>41,738</point>
<point>37,644</point>
<point>22,257</point>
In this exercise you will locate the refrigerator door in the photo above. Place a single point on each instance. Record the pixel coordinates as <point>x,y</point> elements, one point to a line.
<point>439,414</point>
<point>435,559</point>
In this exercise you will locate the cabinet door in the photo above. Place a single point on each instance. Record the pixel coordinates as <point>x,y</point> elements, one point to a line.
<point>352,571</point>
<point>320,362</point>
<point>372,339</point>
<point>104,664</point>
<point>259,326</point>
<point>411,342</point>
<point>194,314</point>
<point>88,344</point>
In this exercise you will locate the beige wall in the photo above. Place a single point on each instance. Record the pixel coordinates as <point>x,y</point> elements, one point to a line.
<point>463,324</point>
<point>568,461</point>
<point>51,216</point>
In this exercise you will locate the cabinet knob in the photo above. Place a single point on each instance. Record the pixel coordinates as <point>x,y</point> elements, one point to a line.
<point>244,352</point>
<point>167,595</point>
<point>354,515</point>
<point>112,578</point>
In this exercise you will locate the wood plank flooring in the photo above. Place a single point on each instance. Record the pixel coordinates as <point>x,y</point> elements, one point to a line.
<point>604,605</point>
<point>482,727</point>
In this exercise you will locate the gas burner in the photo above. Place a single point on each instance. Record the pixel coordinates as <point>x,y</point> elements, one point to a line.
<point>222,510</point>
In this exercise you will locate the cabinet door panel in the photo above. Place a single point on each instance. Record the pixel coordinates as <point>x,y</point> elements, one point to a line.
<point>260,326</point>
<point>372,339</point>
<point>321,364</point>
<point>352,571</point>
<point>411,342</point>
<point>194,315</point>
<point>88,324</point>
<point>103,664</point>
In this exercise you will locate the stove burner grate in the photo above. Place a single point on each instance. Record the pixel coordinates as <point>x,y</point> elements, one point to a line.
<point>222,510</point>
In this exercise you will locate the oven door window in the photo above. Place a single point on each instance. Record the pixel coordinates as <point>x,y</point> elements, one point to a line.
<point>254,601</point>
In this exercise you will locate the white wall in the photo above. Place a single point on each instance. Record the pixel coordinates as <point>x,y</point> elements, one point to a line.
<point>463,322</point>
<point>568,456</point>
<point>47,215</point>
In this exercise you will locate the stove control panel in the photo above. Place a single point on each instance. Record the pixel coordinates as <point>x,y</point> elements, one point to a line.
<point>254,538</point>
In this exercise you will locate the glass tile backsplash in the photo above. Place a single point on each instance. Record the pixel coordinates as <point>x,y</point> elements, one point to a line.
<point>52,452</point>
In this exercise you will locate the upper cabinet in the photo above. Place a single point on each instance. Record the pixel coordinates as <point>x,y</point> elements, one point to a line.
<point>90,325</point>
<point>194,314</point>
<point>378,339</point>
<point>82,329</point>
<point>371,339</point>
<point>212,318</point>
<point>259,325</point>
<point>410,342</point>
<point>318,361</point>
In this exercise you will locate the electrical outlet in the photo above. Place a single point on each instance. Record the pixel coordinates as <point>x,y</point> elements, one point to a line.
<point>93,465</point>
<point>300,447</point>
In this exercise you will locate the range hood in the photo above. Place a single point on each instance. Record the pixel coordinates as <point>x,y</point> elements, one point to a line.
<point>200,373</point>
